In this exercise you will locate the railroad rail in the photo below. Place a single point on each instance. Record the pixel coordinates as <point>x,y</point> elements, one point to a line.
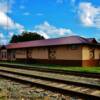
<point>84,90</point>
<point>44,69</point>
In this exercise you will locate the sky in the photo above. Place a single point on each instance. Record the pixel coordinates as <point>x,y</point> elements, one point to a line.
<point>50,18</point>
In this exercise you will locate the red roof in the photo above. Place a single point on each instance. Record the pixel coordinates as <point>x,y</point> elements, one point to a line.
<point>50,42</point>
<point>92,40</point>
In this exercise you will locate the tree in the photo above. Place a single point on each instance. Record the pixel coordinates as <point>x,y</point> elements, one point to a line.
<point>26,36</point>
<point>14,39</point>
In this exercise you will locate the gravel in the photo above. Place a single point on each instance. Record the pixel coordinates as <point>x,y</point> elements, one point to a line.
<point>11,90</point>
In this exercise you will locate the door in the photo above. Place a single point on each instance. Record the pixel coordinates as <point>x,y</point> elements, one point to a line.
<point>51,53</point>
<point>29,54</point>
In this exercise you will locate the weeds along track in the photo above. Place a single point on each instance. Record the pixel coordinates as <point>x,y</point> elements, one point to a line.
<point>84,87</point>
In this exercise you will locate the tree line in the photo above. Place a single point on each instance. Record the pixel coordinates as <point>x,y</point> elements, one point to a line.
<point>26,36</point>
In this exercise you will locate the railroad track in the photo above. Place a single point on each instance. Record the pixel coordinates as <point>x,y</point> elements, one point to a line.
<point>84,90</point>
<point>44,69</point>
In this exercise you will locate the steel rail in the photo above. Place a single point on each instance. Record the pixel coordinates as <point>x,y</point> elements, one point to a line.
<point>44,69</point>
<point>28,79</point>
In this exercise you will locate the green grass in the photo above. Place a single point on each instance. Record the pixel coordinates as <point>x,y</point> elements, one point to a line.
<point>60,67</point>
<point>80,69</point>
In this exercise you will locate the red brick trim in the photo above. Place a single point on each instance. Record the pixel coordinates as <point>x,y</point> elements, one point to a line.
<point>58,62</point>
<point>84,63</point>
<point>91,63</point>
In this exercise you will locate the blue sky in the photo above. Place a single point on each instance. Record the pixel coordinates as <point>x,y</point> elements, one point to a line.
<point>50,18</point>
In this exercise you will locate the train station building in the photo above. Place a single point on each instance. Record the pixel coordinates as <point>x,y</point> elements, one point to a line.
<point>69,51</point>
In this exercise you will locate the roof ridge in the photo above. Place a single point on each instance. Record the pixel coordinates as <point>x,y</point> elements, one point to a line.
<point>50,42</point>
<point>49,39</point>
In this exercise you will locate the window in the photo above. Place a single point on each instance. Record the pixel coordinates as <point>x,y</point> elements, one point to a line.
<point>51,53</point>
<point>74,47</point>
<point>29,53</point>
<point>13,54</point>
<point>4,54</point>
<point>92,55</point>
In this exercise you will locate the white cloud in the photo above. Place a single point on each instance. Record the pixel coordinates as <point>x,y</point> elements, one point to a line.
<point>89,14</point>
<point>3,40</point>
<point>1,35</point>
<point>18,26</point>
<point>11,34</point>
<point>5,21</point>
<point>42,33</point>
<point>48,30</point>
<point>5,5</point>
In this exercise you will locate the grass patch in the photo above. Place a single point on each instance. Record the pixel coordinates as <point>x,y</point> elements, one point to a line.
<point>80,69</point>
<point>59,67</point>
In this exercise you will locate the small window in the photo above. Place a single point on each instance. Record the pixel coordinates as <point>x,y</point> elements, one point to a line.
<point>74,47</point>
<point>92,55</point>
<point>5,54</point>
<point>52,53</point>
<point>13,54</point>
<point>2,54</point>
